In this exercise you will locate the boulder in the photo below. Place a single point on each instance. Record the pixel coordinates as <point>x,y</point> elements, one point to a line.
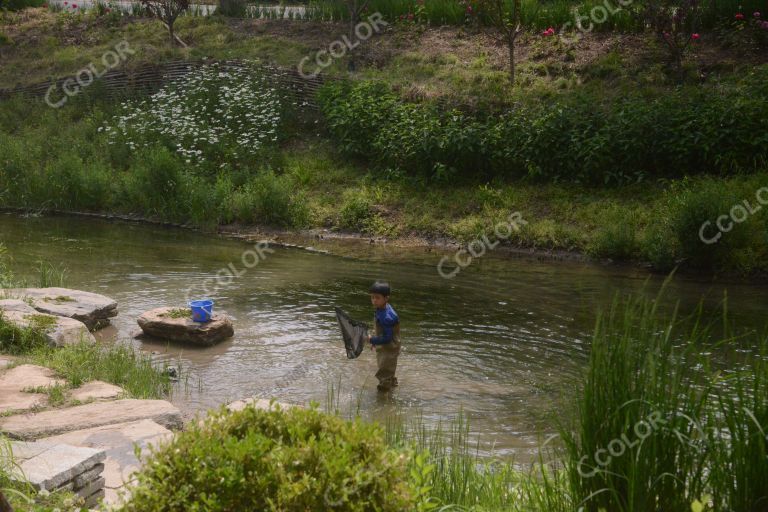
<point>16,305</point>
<point>92,309</point>
<point>162,323</point>
<point>58,330</point>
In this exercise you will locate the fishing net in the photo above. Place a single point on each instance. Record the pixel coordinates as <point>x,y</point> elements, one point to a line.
<point>353,332</point>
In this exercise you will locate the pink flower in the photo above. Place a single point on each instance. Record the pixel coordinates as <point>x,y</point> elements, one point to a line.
<point>549,32</point>
<point>756,14</point>
<point>695,36</point>
<point>765,25</point>
<point>410,16</point>
<point>739,16</point>
<point>74,6</point>
<point>469,9</point>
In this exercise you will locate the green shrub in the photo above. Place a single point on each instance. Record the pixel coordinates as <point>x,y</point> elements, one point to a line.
<point>616,236</point>
<point>281,460</point>
<point>677,226</point>
<point>270,199</point>
<point>356,212</point>
<point>156,184</point>
<point>687,132</point>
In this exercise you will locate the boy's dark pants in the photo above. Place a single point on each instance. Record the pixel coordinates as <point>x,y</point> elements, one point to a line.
<point>386,358</point>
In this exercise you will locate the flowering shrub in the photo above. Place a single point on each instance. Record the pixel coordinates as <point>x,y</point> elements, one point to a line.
<point>745,31</point>
<point>217,114</point>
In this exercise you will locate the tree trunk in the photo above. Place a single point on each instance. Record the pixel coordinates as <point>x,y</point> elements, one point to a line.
<point>170,32</point>
<point>511,45</point>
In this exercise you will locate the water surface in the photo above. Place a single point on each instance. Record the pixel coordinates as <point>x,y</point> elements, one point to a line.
<point>501,341</point>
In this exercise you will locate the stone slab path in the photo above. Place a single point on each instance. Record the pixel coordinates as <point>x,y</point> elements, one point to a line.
<point>88,448</point>
<point>58,421</point>
<point>15,382</point>
<point>50,466</point>
<point>118,442</point>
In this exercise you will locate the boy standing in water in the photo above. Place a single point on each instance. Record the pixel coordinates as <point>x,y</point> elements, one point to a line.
<point>386,342</point>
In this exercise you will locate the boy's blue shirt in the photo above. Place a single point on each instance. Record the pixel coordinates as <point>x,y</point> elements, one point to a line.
<point>388,319</point>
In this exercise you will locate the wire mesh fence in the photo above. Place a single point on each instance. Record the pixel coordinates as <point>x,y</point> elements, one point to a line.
<point>147,79</point>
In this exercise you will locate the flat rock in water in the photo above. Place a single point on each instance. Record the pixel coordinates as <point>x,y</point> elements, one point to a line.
<point>92,309</point>
<point>160,323</point>
<point>59,421</point>
<point>16,305</point>
<point>16,382</point>
<point>58,330</point>
<point>96,390</point>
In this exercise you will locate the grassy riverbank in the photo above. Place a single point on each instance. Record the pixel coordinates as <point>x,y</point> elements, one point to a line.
<point>309,185</point>
<point>612,155</point>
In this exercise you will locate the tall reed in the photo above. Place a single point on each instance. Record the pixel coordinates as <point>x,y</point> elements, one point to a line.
<point>638,439</point>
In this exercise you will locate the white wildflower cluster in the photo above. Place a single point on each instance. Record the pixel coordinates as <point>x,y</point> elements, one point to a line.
<point>215,112</point>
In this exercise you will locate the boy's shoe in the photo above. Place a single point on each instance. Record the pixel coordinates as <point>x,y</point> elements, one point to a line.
<point>394,382</point>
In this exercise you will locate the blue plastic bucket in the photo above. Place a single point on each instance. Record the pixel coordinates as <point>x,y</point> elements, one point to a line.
<point>202,310</point>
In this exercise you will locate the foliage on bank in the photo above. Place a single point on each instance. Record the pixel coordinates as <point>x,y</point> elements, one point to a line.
<point>714,129</point>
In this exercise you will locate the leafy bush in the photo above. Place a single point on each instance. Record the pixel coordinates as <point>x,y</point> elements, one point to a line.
<point>677,226</point>
<point>278,460</point>
<point>691,131</point>
<point>356,212</point>
<point>270,199</point>
<point>616,237</point>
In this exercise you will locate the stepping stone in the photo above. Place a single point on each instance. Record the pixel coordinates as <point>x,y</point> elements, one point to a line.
<point>118,441</point>
<point>160,323</point>
<point>58,330</point>
<point>16,380</point>
<point>92,309</point>
<point>96,390</point>
<point>16,305</point>
<point>51,466</point>
<point>59,421</point>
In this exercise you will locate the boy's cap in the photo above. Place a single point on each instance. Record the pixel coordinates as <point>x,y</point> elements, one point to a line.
<point>380,287</point>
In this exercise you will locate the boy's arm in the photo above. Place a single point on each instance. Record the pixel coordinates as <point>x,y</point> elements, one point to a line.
<point>387,335</point>
<point>388,324</point>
